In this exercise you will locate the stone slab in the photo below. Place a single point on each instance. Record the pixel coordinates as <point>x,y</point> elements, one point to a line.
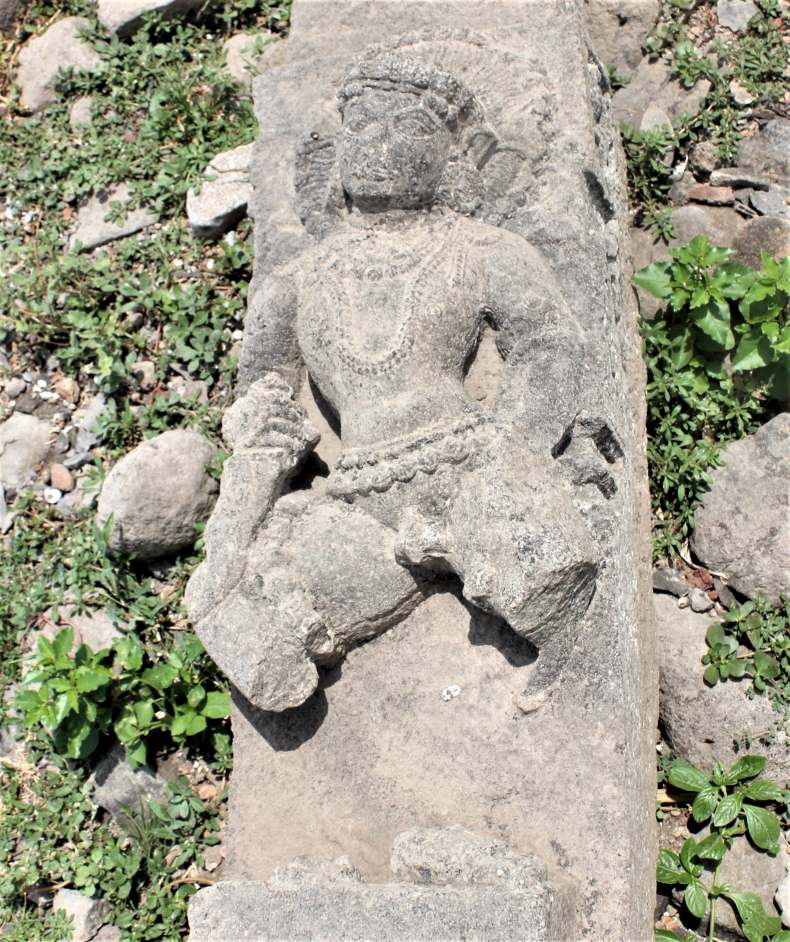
<point>255,912</point>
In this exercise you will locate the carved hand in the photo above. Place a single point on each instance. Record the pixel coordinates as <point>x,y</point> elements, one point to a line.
<point>267,419</point>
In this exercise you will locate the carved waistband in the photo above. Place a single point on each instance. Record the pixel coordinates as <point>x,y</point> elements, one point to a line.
<point>360,471</point>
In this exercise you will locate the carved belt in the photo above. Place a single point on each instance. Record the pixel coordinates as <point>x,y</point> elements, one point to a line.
<point>360,471</point>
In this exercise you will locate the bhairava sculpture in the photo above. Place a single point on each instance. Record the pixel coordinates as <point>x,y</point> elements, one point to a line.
<point>385,313</point>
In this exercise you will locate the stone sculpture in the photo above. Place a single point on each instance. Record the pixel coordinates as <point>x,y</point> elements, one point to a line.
<point>385,313</point>
<point>430,611</point>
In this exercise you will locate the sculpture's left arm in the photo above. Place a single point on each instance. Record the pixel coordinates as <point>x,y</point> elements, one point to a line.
<point>539,338</point>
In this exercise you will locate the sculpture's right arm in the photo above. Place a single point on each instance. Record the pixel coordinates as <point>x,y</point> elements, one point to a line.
<point>270,343</point>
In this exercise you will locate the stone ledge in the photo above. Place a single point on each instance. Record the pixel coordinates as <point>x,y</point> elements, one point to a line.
<point>387,912</point>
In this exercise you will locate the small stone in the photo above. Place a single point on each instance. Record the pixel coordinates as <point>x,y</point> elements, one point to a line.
<point>712,195</point>
<point>123,791</point>
<point>735,14</point>
<point>24,444</point>
<point>242,58</point>
<point>703,158</point>
<point>108,934</point>
<point>61,478</point>
<point>42,58</point>
<point>654,117</point>
<point>96,628</point>
<point>671,581</point>
<point>80,113</point>
<point>776,202</point>
<point>67,388</point>
<point>52,495</point>
<point>213,857</point>
<point>125,17</point>
<point>737,179</point>
<point>741,95</point>
<point>14,387</point>
<point>767,153</point>
<point>700,601</point>
<point>86,422</point>
<point>93,228</point>
<point>652,84</point>
<point>225,192</point>
<point>726,597</point>
<point>87,914</point>
<point>157,493</point>
<point>144,372</point>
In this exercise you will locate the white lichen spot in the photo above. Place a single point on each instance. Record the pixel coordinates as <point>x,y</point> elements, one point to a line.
<point>451,692</point>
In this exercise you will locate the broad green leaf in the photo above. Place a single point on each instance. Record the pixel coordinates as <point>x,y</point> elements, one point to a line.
<point>655,279</point>
<point>62,642</point>
<point>712,847</point>
<point>136,754</point>
<point>754,351</point>
<point>711,675</point>
<point>88,680</point>
<point>745,767</point>
<point>727,810</point>
<point>749,905</point>
<point>663,935</point>
<point>144,712</point>
<point>763,827</point>
<point>217,705</point>
<point>686,777</point>
<point>687,853</point>
<point>160,677</point>
<point>714,321</point>
<point>696,899</point>
<point>715,634</point>
<point>766,665</point>
<point>196,696</point>
<point>764,790</point>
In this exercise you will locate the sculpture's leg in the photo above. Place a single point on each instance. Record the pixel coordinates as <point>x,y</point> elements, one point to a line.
<point>513,536</point>
<point>320,578</point>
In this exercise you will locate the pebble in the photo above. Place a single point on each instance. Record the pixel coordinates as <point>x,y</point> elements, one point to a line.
<point>52,495</point>
<point>737,179</point>
<point>67,388</point>
<point>61,478</point>
<point>15,387</point>
<point>712,195</point>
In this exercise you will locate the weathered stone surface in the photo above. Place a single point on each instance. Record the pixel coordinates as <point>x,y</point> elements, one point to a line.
<point>126,16</point>
<point>618,28</point>
<point>444,186</point>
<point>712,195</point>
<point>671,581</point>
<point>652,84</point>
<point>24,443</point>
<point>458,894</point>
<point>735,14</point>
<point>94,229</point>
<point>80,113</point>
<point>9,12</point>
<point>42,57</point>
<point>157,493</point>
<point>742,527</point>
<point>244,54</point>
<point>770,234</point>
<point>782,896</point>
<point>224,194</point>
<point>767,153</point>
<point>96,628</point>
<point>87,914</point>
<point>125,792</point>
<point>701,723</point>
<point>737,179</point>
<point>774,202</point>
<point>720,224</point>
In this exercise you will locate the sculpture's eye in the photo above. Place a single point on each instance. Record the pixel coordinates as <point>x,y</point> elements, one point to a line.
<point>414,124</point>
<point>358,121</point>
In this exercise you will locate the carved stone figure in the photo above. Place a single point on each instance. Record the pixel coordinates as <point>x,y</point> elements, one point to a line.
<point>385,313</point>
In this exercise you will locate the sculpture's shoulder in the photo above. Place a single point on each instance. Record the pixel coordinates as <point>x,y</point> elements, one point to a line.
<point>500,248</point>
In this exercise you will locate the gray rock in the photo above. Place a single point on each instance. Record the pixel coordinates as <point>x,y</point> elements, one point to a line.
<point>720,224</point>
<point>671,581</point>
<point>738,179</point>
<point>770,234</point>
<point>87,914</point>
<point>735,14</point>
<point>24,444</point>
<point>86,421</point>
<point>618,28</point>
<point>776,202</point>
<point>224,194</point>
<point>125,17</point>
<point>80,113</point>
<point>42,58</point>
<point>244,55</point>
<point>9,12</point>
<point>782,896</point>
<point>767,153</point>
<point>96,628</point>
<point>742,528</point>
<point>94,229</point>
<point>14,387</point>
<point>157,493</point>
<point>699,601</point>
<point>125,792</point>
<point>108,934</point>
<point>652,84</point>
<point>702,723</point>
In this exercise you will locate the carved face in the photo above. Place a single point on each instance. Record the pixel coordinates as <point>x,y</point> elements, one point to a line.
<point>393,149</point>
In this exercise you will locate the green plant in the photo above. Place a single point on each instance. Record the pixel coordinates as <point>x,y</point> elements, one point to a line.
<point>731,802</point>
<point>76,698</point>
<point>51,835</point>
<point>717,358</point>
<point>649,168</point>
<point>752,640</point>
